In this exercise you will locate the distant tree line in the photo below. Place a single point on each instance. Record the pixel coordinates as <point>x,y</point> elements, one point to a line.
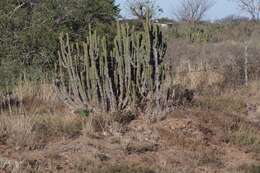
<point>189,10</point>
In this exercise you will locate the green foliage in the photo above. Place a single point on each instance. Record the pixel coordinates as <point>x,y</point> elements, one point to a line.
<point>29,31</point>
<point>249,169</point>
<point>253,169</point>
<point>83,113</point>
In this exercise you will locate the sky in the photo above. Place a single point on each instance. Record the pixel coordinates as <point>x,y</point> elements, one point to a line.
<point>222,8</point>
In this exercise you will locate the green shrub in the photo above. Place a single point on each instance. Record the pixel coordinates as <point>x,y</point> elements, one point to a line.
<point>29,32</point>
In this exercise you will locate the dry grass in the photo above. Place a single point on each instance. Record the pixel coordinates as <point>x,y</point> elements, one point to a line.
<point>37,118</point>
<point>221,103</point>
<point>33,130</point>
<point>223,62</point>
<point>191,139</point>
<point>18,131</point>
<point>245,135</point>
<point>211,134</point>
<point>199,80</point>
<point>30,98</point>
<point>36,98</point>
<point>114,123</point>
<point>249,169</point>
<point>41,90</point>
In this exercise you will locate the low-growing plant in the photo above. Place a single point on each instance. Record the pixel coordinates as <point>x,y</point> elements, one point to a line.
<point>125,169</point>
<point>31,130</point>
<point>224,103</point>
<point>245,136</point>
<point>249,168</point>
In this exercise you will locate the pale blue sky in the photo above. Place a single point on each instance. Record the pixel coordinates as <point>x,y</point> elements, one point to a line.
<point>221,8</point>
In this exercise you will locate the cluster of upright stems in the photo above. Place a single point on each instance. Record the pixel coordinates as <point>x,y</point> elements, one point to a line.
<point>113,76</point>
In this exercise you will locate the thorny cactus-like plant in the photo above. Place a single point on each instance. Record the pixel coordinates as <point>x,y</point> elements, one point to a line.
<point>95,74</point>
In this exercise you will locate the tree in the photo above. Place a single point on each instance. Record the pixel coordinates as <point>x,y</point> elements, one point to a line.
<point>251,7</point>
<point>192,10</point>
<point>143,8</point>
<point>29,30</point>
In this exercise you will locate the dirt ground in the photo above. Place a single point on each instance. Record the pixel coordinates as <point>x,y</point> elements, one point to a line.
<point>199,138</point>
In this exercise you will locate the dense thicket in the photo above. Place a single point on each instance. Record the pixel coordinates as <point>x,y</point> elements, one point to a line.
<point>29,31</point>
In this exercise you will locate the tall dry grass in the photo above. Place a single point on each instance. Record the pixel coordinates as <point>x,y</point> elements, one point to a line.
<point>36,116</point>
<point>211,65</point>
<point>199,80</point>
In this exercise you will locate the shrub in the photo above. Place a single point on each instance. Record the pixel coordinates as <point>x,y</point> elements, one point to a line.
<point>29,32</point>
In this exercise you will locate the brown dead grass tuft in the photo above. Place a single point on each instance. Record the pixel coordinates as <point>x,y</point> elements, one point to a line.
<point>17,130</point>
<point>41,90</point>
<point>108,123</point>
<point>31,98</point>
<point>30,131</point>
<point>58,126</point>
<point>223,103</point>
<point>38,117</point>
<point>199,80</point>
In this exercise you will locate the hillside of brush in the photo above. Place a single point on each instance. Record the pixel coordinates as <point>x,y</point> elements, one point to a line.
<point>209,121</point>
<point>210,134</point>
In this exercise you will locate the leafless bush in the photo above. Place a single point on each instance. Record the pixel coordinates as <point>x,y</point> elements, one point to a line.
<point>251,7</point>
<point>192,10</point>
<point>143,8</point>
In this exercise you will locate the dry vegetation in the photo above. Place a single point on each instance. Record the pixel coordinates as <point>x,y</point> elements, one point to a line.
<point>127,96</point>
<point>213,129</point>
<point>219,134</point>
